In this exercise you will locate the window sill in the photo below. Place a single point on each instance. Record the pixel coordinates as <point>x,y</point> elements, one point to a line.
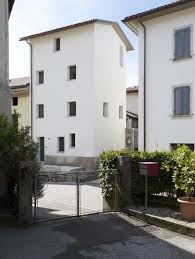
<point>39,117</point>
<point>188,116</point>
<point>183,58</point>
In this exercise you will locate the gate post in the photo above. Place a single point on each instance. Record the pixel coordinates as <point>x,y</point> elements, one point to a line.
<point>25,194</point>
<point>125,179</point>
<point>78,195</point>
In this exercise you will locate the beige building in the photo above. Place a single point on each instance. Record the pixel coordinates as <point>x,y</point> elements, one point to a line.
<point>21,99</point>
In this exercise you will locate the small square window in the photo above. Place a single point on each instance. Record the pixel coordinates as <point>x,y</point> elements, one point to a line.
<point>72,140</point>
<point>57,44</point>
<point>182,100</point>
<point>72,109</point>
<point>120,112</point>
<point>61,144</point>
<point>72,73</point>
<point>15,101</point>
<point>105,109</point>
<point>40,110</point>
<point>40,75</point>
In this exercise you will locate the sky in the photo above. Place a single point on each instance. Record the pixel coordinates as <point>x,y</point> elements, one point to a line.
<point>34,16</point>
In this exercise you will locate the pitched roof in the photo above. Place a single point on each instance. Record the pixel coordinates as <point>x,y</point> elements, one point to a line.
<point>11,3</point>
<point>21,82</point>
<point>132,89</point>
<point>115,25</point>
<point>159,11</point>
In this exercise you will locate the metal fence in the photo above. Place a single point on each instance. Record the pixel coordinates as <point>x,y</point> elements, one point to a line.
<point>70,194</point>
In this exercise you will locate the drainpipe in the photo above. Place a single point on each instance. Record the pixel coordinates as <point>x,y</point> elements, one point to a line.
<point>31,84</point>
<point>145,56</point>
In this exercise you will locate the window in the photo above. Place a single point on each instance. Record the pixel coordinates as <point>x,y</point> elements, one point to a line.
<point>183,43</point>
<point>182,100</point>
<point>121,56</point>
<point>120,112</point>
<point>40,75</point>
<point>72,109</point>
<point>105,109</point>
<point>61,144</point>
<point>57,44</point>
<point>175,146</point>
<point>72,72</point>
<point>40,111</point>
<point>72,140</point>
<point>15,101</point>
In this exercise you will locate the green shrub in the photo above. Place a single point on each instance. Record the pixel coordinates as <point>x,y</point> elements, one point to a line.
<point>161,184</point>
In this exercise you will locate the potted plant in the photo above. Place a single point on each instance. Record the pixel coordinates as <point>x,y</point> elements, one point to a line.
<point>184,179</point>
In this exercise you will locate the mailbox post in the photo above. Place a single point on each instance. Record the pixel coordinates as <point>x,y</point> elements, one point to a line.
<point>148,169</point>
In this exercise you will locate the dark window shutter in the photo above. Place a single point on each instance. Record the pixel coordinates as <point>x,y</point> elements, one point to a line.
<point>41,111</point>
<point>183,43</point>
<point>58,44</point>
<point>185,100</point>
<point>41,77</point>
<point>186,42</point>
<point>177,101</point>
<point>178,44</point>
<point>72,108</point>
<point>61,144</point>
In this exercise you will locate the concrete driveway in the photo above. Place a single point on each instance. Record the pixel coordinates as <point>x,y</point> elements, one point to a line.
<point>100,236</point>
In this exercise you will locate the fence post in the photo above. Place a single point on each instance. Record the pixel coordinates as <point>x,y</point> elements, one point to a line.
<point>78,195</point>
<point>25,194</point>
<point>125,179</point>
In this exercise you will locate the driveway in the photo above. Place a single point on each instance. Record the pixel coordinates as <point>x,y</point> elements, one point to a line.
<point>100,236</point>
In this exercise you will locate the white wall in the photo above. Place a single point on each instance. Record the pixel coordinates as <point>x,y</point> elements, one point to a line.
<point>162,74</point>
<point>5,100</point>
<point>132,102</point>
<point>99,78</point>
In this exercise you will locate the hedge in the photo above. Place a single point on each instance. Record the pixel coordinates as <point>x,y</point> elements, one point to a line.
<point>162,184</point>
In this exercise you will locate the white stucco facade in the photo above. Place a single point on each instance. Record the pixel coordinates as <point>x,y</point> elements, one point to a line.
<point>95,50</point>
<point>162,75</point>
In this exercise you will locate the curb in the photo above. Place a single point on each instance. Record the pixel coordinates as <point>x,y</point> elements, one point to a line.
<point>160,222</point>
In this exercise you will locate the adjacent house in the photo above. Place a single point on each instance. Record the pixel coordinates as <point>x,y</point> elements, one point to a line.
<point>5,10</point>
<point>79,91</point>
<point>132,107</point>
<point>166,75</point>
<point>21,99</point>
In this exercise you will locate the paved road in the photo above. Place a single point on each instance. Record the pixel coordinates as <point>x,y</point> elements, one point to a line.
<point>101,236</point>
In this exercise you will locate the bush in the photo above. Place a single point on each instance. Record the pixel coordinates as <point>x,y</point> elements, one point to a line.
<point>16,145</point>
<point>162,184</point>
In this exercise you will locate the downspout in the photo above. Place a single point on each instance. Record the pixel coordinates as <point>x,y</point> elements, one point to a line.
<point>31,84</point>
<point>145,56</point>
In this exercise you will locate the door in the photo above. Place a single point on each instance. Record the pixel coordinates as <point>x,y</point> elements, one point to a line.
<point>42,148</point>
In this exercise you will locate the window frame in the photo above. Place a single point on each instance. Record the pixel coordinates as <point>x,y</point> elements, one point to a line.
<point>69,109</point>
<point>72,146</point>
<point>38,111</point>
<point>56,44</point>
<point>59,146</point>
<point>191,42</point>
<point>14,98</point>
<point>105,112</point>
<point>173,101</point>
<point>69,72</point>
<point>38,77</point>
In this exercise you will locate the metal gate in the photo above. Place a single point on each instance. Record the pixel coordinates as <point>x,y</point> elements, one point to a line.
<point>70,194</point>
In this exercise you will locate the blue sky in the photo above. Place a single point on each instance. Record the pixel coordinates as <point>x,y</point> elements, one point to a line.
<point>34,16</point>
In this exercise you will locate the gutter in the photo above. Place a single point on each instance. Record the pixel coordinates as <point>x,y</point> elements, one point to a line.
<point>31,84</point>
<point>145,57</point>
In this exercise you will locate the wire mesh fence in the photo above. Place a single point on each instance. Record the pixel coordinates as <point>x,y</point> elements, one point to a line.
<point>70,194</point>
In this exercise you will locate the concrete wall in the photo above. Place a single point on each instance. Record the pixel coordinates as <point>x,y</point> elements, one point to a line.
<point>162,75</point>
<point>5,101</point>
<point>132,102</point>
<point>94,49</point>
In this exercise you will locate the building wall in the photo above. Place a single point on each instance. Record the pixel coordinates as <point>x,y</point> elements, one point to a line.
<point>23,109</point>
<point>94,49</point>
<point>110,86</point>
<point>5,100</point>
<point>132,102</point>
<point>162,74</point>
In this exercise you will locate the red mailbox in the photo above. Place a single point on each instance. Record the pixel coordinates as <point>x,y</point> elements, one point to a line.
<point>149,168</point>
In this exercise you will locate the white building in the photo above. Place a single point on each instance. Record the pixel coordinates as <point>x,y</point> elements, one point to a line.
<point>166,75</point>
<point>79,91</point>
<point>5,100</point>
